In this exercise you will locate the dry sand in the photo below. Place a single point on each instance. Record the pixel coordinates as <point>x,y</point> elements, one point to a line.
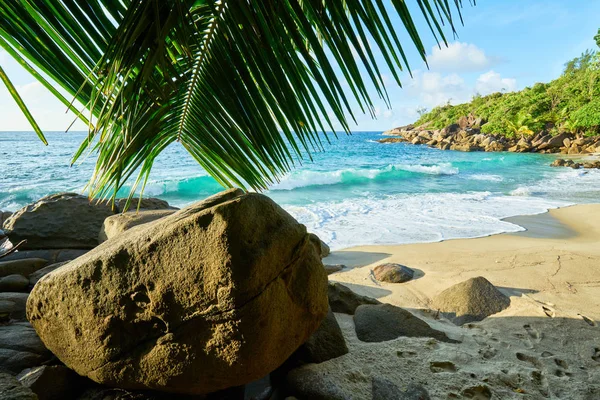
<point>545,345</point>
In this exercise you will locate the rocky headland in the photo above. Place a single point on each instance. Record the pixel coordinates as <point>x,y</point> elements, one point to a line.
<point>466,135</point>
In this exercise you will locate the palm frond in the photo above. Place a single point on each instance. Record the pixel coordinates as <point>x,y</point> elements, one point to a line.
<point>244,85</point>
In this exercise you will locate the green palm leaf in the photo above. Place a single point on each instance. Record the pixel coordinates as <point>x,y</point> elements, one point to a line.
<point>244,85</point>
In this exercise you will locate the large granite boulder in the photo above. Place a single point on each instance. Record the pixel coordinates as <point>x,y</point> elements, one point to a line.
<point>216,295</point>
<point>119,223</point>
<point>470,301</point>
<point>58,221</point>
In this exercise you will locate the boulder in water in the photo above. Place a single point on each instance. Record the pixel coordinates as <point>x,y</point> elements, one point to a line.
<point>217,295</point>
<point>470,301</point>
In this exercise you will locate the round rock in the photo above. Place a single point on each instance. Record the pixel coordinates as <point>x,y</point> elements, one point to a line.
<point>13,283</point>
<point>393,273</point>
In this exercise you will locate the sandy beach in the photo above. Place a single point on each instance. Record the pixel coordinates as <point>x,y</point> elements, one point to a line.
<point>545,345</point>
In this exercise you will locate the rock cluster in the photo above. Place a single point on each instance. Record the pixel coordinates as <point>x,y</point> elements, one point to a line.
<point>465,135</point>
<point>575,165</point>
<point>225,299</point>
<point>127,313</point>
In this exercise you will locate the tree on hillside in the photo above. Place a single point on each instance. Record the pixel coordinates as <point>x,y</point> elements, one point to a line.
<point>245,86</point>
<point>597,38</point>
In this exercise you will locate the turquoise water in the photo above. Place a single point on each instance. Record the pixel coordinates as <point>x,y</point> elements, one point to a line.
<point>356,192</point>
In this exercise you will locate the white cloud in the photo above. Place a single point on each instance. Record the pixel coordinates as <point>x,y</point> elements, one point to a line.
<point>49,113</point>
<point>492,81</point>
<point>460,57</point>
<point>433,89</point>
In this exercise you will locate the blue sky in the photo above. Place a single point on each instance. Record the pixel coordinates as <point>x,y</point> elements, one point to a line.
<point>504,44</point>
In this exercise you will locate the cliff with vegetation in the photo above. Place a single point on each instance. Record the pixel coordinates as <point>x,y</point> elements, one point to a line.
<point>562,116</point>
<point>570,103</point>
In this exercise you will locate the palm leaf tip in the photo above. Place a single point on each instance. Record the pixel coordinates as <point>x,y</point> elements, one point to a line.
<point>245,86</point>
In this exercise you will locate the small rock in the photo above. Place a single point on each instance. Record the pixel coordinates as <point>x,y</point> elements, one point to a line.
<point>52,255</point>
<point>383,389</point>
<point>55,382</point>
<point>470,301</point>
<point>11,389</point>
<point>383,322</point>
<point>344,300</point>
<point>13,283</point>
<point>12,306</point>
<point>23,267</point>
<point>330,269</point>
<point>37,275</point>
<point>559,162</point>
<point>20,347</point>
<point>309,382</point>
<point>393,273</point>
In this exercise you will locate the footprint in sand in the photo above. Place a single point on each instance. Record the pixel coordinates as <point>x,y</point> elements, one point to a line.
<point>488,352</point>
<point>406,354</point>
<point>541,382</point>
<point>596,356</point>
<point>533,333</point>
<point>561,363</point>
<point>481,392</point>
<point>549,312</point>
<point>589,321</point>
<point>442,366</point>
<point>530,359</point>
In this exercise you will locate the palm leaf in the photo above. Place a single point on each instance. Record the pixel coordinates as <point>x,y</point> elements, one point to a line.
<point>245,86</point>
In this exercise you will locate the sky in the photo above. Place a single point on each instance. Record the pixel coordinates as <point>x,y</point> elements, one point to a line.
<point>504,45</point>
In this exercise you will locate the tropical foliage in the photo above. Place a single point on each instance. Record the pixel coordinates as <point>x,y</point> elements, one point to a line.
<point>570,103</point>
<point>244,85</point>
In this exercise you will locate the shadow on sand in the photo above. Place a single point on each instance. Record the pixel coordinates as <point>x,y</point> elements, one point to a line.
<point>354,259</point>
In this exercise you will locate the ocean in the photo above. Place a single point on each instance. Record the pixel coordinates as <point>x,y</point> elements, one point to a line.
<point>356,192</point>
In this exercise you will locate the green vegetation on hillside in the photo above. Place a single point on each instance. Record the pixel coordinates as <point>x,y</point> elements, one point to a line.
<point>570,103</point>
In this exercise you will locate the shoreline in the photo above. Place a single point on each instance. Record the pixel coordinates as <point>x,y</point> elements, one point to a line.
<point>535,222</point>
<point>561,270</point>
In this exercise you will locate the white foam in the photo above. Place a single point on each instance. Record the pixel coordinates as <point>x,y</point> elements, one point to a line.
<point>436,169</point>
<point>486,177</point>
<point>303,178</point>
<point>416,218</point>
